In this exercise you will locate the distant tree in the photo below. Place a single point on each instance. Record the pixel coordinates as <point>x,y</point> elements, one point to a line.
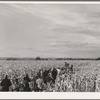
<point>98,59</point>
<point>37,58</point>
<point>11,59</point>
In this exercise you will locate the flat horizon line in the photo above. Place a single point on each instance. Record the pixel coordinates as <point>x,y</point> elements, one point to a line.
<point>48,58</point>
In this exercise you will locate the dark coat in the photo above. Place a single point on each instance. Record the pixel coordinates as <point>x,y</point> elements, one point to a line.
<point>6,83</point>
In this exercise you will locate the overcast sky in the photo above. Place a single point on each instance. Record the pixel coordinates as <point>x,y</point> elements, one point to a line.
<point>49,30</point>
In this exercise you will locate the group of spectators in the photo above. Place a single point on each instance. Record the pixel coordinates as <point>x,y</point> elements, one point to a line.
<point>45,78</point>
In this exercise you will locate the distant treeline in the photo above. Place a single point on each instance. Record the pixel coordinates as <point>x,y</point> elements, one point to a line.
<point>39,58</point>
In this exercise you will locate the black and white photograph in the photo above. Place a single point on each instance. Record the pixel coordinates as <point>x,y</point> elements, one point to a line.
<point>49,47</point>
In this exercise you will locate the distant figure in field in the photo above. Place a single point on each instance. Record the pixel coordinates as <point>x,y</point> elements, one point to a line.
<point>71,69</point>
<point>40,73</point>
<point>54,74</point>
<point>45,75</point>
<point>39,83</point>
<point>26,83</point>
<point>6,83</point>
<point>35,86</point>
<point>67,67</point>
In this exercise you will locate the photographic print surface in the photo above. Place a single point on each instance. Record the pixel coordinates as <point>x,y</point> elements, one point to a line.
<point>49,47</point>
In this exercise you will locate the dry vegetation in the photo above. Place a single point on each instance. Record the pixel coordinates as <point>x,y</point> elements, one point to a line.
<point>83,80</point>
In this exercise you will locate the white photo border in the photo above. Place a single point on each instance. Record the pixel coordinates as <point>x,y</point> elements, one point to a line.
<point>50,95</point>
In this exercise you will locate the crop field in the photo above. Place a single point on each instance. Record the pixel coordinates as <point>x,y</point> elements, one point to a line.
<point>12,68</point>
<point>87,67</point>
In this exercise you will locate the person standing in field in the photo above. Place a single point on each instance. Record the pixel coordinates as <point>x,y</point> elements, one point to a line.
<point>54,74</point>
<point>67,67</point>
<point>26,82</point>
<point>44,76</point>
<point>6,83</point>
<point>39,83</point>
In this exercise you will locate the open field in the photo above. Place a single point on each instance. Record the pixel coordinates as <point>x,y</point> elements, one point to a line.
<point>89,68</point>
<point>82,66</point>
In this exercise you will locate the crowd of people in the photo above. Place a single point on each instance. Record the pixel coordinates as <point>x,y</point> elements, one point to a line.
<point>62,79</point>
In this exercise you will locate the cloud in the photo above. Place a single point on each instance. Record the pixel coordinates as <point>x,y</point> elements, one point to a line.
<point>49,30</point>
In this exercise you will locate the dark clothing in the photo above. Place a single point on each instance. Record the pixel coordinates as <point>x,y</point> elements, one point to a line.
<point>54,75</point>
<point>27,79</point>
<point>26,82</point>
<point>6,83</point>
<point>27,88</point>
<point>45,75</point>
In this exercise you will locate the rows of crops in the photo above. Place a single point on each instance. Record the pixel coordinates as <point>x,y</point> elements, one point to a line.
<point>85,78</point>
